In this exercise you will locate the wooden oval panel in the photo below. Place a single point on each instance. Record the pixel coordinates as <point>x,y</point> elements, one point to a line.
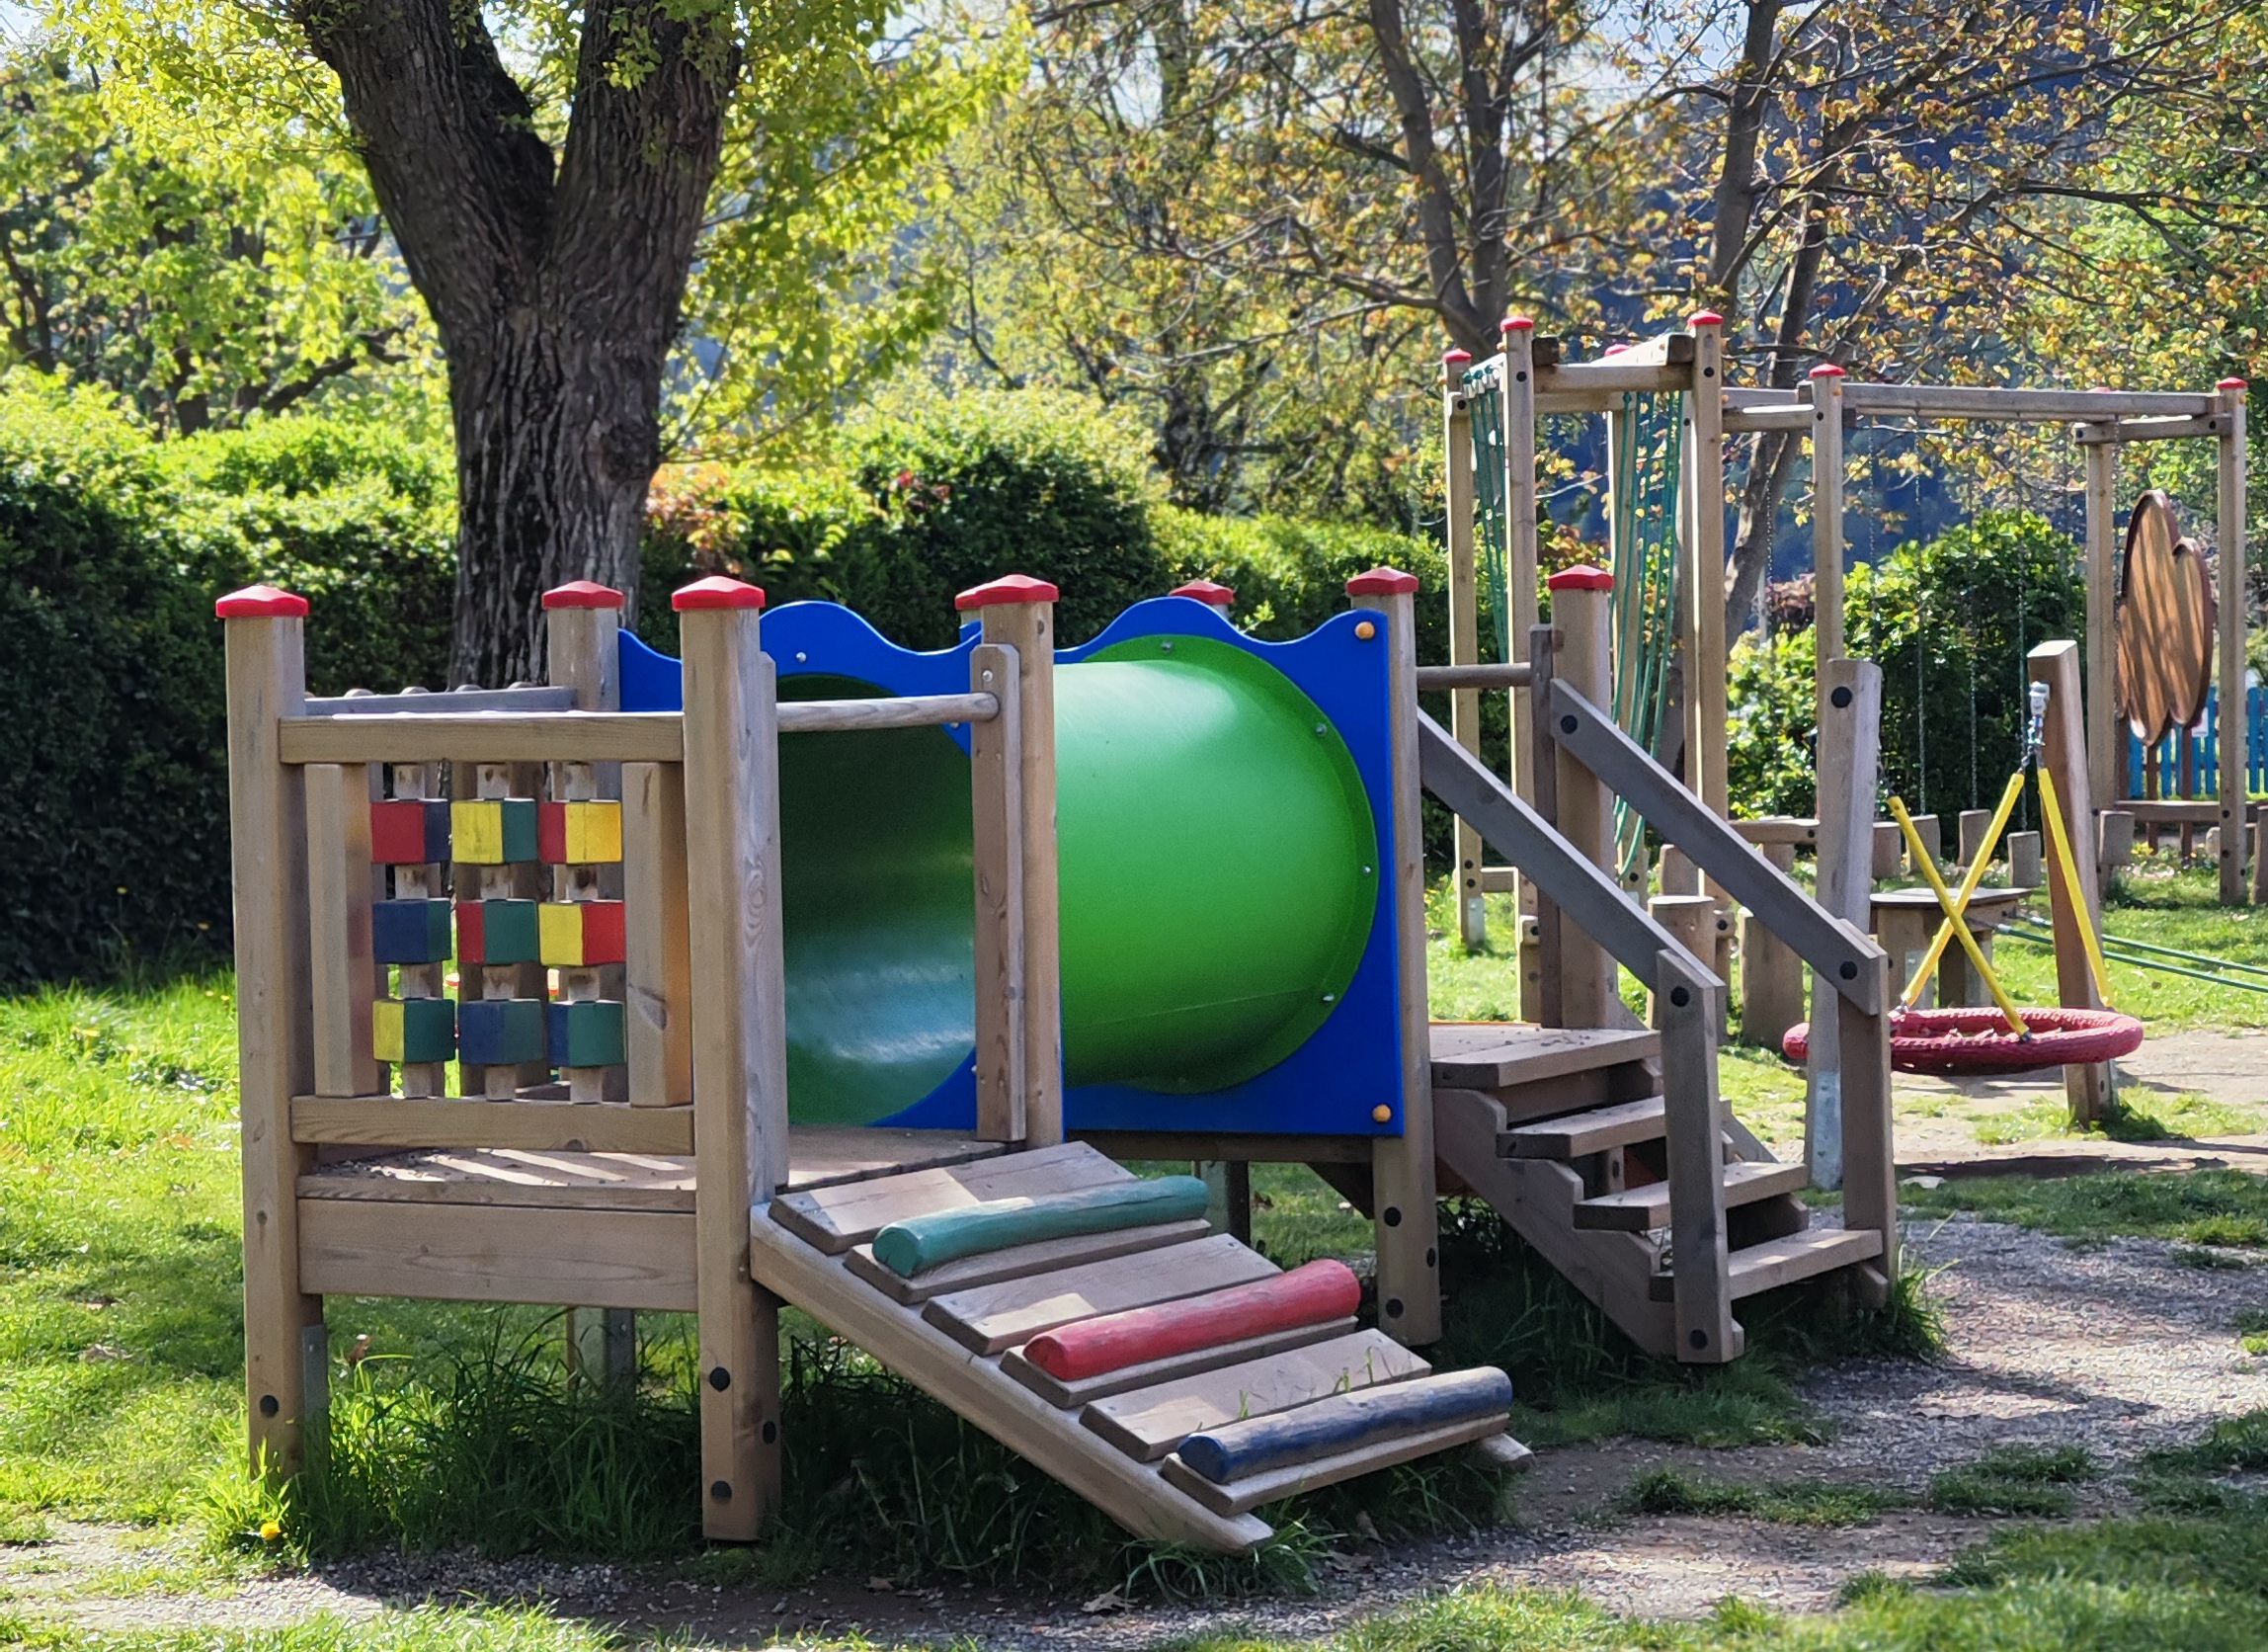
<point>2165,620</point>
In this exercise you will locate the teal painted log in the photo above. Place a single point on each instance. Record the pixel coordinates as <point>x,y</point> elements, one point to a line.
<point>1341,1421</point>
<point>920,1243</point>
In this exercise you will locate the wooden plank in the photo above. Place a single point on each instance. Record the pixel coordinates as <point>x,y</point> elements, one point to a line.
<point>1406,1222</point>
<point>462,1253</point>
<point>1848,711</point>
<point>1828,470</point>
<point>344,976</point>
<point>1522,364</point>
<point>658,969</point>
<point>1028,629</point>
<point>1949,401</point>
<point>436,1122</point>
<point>1243,1496</point>
<point>913,710</point>
<point>1797,1255</point>
<point>2106,734</point>
<point>1494,1055</point>
<point>486,737</point>
<point>739,1049</point>
<point>1701,583</point>
<point>2113,432</point>
<point>1541,921</point>
<point>1249,1447</point>
<point>1582,890</point>
<point>1782,829</point>
<point>1150,1422</point>
<point>427,1179</point>
<point>1612,377</point>
<point>835,1218</point>
<point>451,702</point>
<point>1642,1210</point>
<point>1791,417</point>
<point>996,771</point>
<point>2236,603</point>
<point>1678,815</point>
<point>994,1317</point>
<point>1468,679</point>
<point>1578,1135</point>
<point>829,1155</point>
<point>1672,349</point>
<point>1021,1261</point>
<point>1582,664</point>
<point>1244,1350</point>
<point>1693,1158</point>
<point>2063,754</point>
<point>1134,1495</point>
<point>1870,1156</point>
<point>2172,811</point>
<point>285,1361</point>
<point>1464,633</point>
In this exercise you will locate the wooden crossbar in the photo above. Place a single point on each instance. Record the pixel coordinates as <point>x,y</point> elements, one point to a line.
<point>914,710</point>
<point>486,737</point>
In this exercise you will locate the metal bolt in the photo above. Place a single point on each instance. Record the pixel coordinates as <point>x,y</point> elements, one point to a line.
<point>802,658</point>
<point>1167,646</point>
<point>1330,998</point>
<point>1322,728</point>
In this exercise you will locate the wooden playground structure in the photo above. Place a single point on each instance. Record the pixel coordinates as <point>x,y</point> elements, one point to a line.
<point>641,1118</point>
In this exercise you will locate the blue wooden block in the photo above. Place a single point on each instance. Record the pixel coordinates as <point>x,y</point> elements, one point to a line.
<point>409,930</point>
<point>1341,1421</point>
<point>499,1032</point>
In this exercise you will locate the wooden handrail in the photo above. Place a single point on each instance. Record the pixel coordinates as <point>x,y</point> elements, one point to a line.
<point>1517,675</point>
<point>1826,944</point>
<point>1582,890</point>
<point>486,737</point>
<point>452,701</point>
<point>913,710</point>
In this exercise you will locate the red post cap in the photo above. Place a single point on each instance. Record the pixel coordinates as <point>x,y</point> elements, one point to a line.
<point>1705,318</point>
<point>1581,579</point>
<point>1206,591</point>
<point>260,602</point>
<point>1453,357</point>
<point>1827,370</point>
<point>1383,582</point>
<point>705,596</point>
<point>1517,324</point>
<point>1007,592</point>
<point>2230,384</point>
<point>581,593</point>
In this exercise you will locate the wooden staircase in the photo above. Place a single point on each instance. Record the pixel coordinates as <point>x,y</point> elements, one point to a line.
<point>1564,1131</point>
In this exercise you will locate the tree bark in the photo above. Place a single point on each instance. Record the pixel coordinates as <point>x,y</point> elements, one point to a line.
<point>555,283</point>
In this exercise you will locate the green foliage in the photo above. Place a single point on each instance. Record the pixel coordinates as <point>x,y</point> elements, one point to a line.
<point>2197,1207</point>
<point>112,549</point>
<point>2030,1480</point>
<point>1291,575</point>
<point>1950,623</point>
<point>1668,1491</point>
<point>1771,724</point>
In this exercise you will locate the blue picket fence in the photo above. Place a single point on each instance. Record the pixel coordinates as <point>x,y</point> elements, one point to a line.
<point>2209,750</point>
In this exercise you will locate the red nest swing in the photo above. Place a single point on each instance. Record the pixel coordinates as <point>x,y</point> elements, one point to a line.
<point>1980,1040</point>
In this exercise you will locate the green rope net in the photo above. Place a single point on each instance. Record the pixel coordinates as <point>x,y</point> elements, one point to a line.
<point>1652,440</point>
<point>1484,390</point>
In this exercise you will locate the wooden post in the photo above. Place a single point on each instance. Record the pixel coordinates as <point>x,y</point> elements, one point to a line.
<point>2235,723</point>
<point>1932,838</point>
<point>2024,863</point>
<point>1870,1159</point>
<point>740,1039</point>
<point>1771,974</point>
<point>1464,625</point>
<point>2057,664</point>
<point>344,975</point>
<point>286,1358</point>
<point>1582,603</point>
<point>996,758</point>
<point>1406,1208</point>
<point>1695,1151</point>
<point>1827,513</point>
<point>1704,589</point>
<point>1849,751</point>
<point>2259,853</point>
<point>1520,401</point>
<point>1691,921</point>
<point>1017,612</point>
<point>583,622</point>
<point>2105,733</point>
<point>1889,849</point>
<point>2114,846</point>
<point>1541,977</point>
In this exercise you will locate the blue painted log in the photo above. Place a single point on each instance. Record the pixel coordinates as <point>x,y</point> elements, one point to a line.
<point>1341,1421</point>
<point>918,1243</point>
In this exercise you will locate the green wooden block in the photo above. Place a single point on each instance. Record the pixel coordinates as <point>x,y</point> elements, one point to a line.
<point>490,932</point>
<point>413,1030</point>
<point>909,1247</point>
<point>586,1033</point>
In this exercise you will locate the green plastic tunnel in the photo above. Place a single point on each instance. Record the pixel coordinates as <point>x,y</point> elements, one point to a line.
<point>1215,852</point>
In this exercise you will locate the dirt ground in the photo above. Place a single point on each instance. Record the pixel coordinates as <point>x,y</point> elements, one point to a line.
<point>2120,1348</point>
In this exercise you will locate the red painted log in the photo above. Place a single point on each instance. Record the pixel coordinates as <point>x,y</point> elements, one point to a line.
<point>1315,1294</point>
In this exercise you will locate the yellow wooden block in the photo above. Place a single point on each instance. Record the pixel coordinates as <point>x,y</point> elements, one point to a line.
<point>493,831</point>
<point>582,833</point>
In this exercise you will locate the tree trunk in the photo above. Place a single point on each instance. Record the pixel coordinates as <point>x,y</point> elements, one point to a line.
<point>557,436</point>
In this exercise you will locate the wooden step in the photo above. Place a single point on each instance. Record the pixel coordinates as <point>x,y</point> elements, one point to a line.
<point>1150,1422</point>
<point>838,1217</point>
<point>1241,1497</point>
<point>1640,1209</point>
<point>994,1317</point>
<point>1574,1135</point>
<point>1778,1262</point>
<point>1496,1056</point>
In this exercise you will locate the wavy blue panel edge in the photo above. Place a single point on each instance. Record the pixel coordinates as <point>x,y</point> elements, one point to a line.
<point>1330,1085</point>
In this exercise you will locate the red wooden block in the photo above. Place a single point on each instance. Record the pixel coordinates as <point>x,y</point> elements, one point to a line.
<point>409,831</point>
<point>1315,1294</point>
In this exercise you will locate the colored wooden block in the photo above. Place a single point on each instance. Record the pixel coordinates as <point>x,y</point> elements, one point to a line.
<point>494,831</point>
<point>1341,1421</point>
<point>490,932</point>
<point>409,930</point>
<point>500,1032</point>
<point>413,1030</point>
<point>909,1247</point>
<point>582,833</point>
<point>581,933</point>
<point>409,831</point>
<point>587,1033</point>
<point>1314,1294</point>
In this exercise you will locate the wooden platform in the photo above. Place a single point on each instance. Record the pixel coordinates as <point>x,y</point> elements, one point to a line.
<point>1112,1439</point>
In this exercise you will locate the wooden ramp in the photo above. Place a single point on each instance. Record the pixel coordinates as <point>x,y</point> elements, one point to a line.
<point>1285,1395</point>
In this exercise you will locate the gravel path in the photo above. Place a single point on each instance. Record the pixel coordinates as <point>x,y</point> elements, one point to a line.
<point>2120,1348</point>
